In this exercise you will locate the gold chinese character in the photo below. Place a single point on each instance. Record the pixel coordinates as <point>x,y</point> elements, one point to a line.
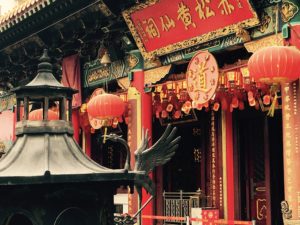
<point>287,99</point>
<point>227,8</point>
<point>151,28</point>
<point>287,108</point>
<point>288,126</point>
<point>202,68</point>
<point>141,31</point>
<point>167,23</point>
<point>287,116</point>
<point>203,10</point>
<point>185,16</point>
<point>286,89</point>
<point>196,131</point>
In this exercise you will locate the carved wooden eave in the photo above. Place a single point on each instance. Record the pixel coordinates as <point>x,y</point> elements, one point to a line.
<point>64,27</point>
<point>33,16</point>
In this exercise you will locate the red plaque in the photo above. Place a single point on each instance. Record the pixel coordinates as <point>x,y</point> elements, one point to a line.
<point>163,26</point>
<point>202,78</point>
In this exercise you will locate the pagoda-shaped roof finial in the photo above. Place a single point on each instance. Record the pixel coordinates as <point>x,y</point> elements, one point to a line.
<point>44,76</point>
<point>45,65</point>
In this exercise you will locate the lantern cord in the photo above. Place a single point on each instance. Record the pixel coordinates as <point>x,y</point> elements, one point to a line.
<point>105,134</point>
<point>276,19</point>
<point>271,111</point>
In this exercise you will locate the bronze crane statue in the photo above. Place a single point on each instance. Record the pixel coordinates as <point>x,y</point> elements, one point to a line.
<point>146,159</point>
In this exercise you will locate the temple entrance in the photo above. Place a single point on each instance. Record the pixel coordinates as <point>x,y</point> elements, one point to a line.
<point>259,167</point>
<point>187,171</point>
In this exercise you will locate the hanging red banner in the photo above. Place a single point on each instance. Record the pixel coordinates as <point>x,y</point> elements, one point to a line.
<point>163,26</point>
<point>291,146</point>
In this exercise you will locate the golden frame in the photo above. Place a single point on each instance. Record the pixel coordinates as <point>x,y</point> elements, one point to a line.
<point>186,43</point>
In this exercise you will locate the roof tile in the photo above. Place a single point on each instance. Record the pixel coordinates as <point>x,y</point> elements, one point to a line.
<point>19,12</point>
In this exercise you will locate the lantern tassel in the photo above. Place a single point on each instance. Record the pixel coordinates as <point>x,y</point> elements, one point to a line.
<point>272,107</point>
<point>105,133</point>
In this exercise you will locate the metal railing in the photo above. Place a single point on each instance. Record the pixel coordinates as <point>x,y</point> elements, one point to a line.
<point>179,204</point>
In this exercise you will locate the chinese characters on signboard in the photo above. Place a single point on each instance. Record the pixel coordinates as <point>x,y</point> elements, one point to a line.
<point>202,78</point>
<point>161,27</point>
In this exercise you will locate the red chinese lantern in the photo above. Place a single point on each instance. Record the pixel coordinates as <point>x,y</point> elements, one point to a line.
<point>38,115</point>
<point>105,106</point>
<point>275,64</point>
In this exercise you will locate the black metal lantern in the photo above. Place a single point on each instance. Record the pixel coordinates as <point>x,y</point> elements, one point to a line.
<point>45,178</point>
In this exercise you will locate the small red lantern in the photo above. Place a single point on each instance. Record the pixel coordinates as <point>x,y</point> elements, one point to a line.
<point>275,64</point>
<point>38,115</point>
<point>105,106</point>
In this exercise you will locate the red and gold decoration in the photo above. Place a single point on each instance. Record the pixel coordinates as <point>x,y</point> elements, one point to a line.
<point>235,90</point>
<point>275,64</point>
<point>171,100</point>
<point>160,27</point>
<point>38,115</point>
<point>105,109</point>
<point>291,144</point>
<point>202,78</point>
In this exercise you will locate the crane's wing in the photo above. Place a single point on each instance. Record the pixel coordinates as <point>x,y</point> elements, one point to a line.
<point>158,154</point>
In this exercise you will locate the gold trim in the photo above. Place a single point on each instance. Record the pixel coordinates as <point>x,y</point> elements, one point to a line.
<point>259,214</point>
<point>124,82</point>
<point>186,43</point>
<point>288,11</point>
<point>134,94</point>
<point>154,75</point>
<point>224,163</point>
<point>274,40</point>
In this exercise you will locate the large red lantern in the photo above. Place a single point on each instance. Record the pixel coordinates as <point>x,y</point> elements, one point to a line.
<point>275,64</point>
<point>38,115</point>
<point>105,106</point>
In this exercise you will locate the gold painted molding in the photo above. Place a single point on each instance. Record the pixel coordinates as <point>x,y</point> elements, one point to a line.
<point>154,75</point>
<point>273,40</point>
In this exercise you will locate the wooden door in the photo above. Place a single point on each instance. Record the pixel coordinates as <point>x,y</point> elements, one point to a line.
<point>250,148</point>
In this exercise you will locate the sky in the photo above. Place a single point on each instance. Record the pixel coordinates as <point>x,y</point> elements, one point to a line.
<point>6,5</point>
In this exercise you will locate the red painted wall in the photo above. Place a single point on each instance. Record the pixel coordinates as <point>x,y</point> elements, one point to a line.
<point>7,126</point>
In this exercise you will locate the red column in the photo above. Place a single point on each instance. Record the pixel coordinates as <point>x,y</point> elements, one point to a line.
<point>146,98</point>
<point>230,166</point>
<point>88,143</point>
<point>75,123</point>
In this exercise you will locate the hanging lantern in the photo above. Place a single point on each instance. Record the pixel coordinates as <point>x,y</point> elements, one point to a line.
<point>38,115</point>
<point>267,100</point>
<point>105,106</point>
<point>275,64</point>
<point>216,106</point>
